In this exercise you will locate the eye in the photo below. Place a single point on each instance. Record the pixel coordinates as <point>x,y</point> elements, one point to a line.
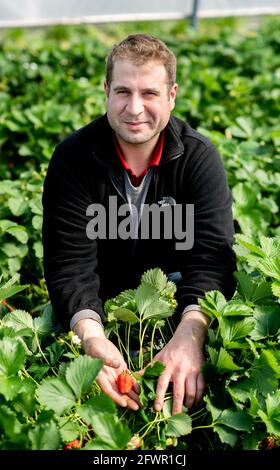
<point>151,93</point>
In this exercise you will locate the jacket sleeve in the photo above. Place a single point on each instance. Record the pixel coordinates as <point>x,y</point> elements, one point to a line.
<point>211,262</point>
<point>70,257</point>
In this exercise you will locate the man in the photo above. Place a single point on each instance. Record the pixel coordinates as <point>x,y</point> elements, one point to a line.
<point>137,153</point>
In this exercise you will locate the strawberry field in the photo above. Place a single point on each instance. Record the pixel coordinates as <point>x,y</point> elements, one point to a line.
<point>51,83</point>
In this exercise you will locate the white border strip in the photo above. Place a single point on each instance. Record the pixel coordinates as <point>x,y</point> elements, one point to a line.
<point>139,17</point>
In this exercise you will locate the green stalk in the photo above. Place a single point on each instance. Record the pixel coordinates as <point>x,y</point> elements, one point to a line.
<point>152,342</point>
<point>208,426</point>
<point>140,358</point>
<point>163,337</point>
<point>28,376</point>
<point>142,337</point>
<point>129,361</point>
<point>40,349</point>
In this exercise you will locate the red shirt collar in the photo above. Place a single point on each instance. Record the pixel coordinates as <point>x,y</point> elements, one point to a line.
<point>155,160</point>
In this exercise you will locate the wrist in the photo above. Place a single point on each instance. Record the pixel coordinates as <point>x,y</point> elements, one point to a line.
<point>88,328</point>
<point>194,324</point>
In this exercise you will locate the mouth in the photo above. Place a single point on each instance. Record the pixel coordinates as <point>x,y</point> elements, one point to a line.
<point>135,124</point>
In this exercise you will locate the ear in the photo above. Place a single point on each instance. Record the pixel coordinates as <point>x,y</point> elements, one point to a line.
<point>172,95</point>
<point>106,88</point>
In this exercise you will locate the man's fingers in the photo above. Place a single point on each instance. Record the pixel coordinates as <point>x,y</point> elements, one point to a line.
<point>111,362</point>
<point>162,385</point>
<point>134,396</point>
<point>190,390</point>
<point>178,396</point>
<point>200,388</point>
<point>136,387</point>
<point>124,400</point>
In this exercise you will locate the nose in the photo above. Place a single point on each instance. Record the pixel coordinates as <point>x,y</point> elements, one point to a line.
<point>135,105</point>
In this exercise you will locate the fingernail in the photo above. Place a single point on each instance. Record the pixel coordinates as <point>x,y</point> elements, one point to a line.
<point>157,407</point>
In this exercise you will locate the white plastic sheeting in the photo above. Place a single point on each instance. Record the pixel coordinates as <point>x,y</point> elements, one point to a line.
<point>44,12</point>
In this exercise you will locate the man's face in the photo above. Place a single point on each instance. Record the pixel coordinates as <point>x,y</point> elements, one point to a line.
<point>139,101</point>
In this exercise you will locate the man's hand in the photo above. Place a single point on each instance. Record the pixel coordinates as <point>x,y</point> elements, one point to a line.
<point>96,344</point>
<point>183,359</point>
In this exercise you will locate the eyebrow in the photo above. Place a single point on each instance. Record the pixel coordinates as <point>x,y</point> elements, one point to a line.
<point>149,89</point>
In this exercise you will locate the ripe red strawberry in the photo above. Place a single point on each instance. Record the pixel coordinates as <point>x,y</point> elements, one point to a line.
<point>125,381</point>
<point>72,445</point>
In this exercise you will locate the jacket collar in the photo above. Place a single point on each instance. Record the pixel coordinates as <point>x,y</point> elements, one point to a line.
<point>104,149</point>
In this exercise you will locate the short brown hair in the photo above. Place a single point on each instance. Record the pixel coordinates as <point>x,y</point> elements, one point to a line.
<point>140,48</point>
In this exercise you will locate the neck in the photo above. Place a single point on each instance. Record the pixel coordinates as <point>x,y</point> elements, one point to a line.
<point>138,156</point>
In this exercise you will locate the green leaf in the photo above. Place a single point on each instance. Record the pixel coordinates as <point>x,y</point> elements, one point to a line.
<point>96,404</point>
<point>246,124</point>
<point>227,435</point>
<point>123,314</point>
<point>69,430</point>
<point>12,356</point>
<point>14,265</point>
<point>81,373</point>
<point>272,416</point>
<point>25,402</point>
<point>255,403</point>
<point>19,320</point>
<point>24,151</point>
<point>10,387</point>
<point>45,437</point>
<point>110,430</point>
<point>240,390</point>
<point>37,222</point>
<point>156,278</point>
<point>154,370</point>
<point>270,246</point>
<point>17,206</point>
<point>235,308</point>
<point>262,293</point>
<point>247,243</point>
<point>12,427</point>
<point>222,360</point>
<point>43,325</point>
<point>14,249</point>
<point>238,420</point>
<point>233,329</point>
<point>97,444</point>
<point>38,248</point>
<point>35,205</point>
<point>250,442</point>
<point>19,232</point>
<point>149,304</point>
<point>265,372</point>
<point>267,322</point>
<point>38,371</point>
<point>8,290</point>
<point>244,196</point>
<point>246,285</point>
<point>275,287</point>
<point>213,304</point>
<point>55,394</point>
<point>179,425</point>
<point>270,267</point>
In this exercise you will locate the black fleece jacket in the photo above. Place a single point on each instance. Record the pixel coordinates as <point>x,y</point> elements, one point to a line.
<point>82,273</point>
